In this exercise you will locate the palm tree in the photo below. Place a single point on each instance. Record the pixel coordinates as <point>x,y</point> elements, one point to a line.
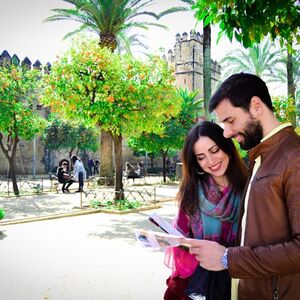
<point>266,62</point>
<point>111,20</point>
<point>206,67</point>
<point>261,59</point>
<point>291,75</point>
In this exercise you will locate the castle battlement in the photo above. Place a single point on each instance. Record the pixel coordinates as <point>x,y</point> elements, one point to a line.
<point>5,58</point>
<point>187,58</point>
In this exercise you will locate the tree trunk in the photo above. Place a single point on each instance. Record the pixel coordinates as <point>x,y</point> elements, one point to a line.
<point>12,172</point>
<point>106,166</point>
<point>10,154</point>
<point>206,68</point>
<point>119,192</point>
<point>164,156</point>
<point>291,84</point>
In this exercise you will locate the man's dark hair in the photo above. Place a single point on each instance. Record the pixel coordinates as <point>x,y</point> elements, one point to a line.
<point>239,89</point>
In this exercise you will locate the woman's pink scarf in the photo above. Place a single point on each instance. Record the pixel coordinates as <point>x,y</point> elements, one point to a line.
<point>182,263</point>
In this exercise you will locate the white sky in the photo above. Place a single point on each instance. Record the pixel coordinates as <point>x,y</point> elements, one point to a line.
<point>22,31</point>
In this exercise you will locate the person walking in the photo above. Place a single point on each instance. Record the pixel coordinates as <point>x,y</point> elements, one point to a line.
<point>213,179</point>
<point>267,262</point>
<point>91,166</point>
<point>79,172</point>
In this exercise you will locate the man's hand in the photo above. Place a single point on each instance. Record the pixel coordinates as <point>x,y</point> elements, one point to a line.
<point>208,253</point>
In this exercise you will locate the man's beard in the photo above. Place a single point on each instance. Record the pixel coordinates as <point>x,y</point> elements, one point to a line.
<point>252,134</point>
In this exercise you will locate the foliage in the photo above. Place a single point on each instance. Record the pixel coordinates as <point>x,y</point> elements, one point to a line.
<point>38,189</point>
<point>62,134</point>
<point>18,116</point>
<point>284,109</point>
<point>260,59</point>
<point>2,213</point>
<point>120,94</point>
<point>123,204</point>
<point>250,20</point>
<point>175,129</point>
<point>18,88</point>
<point>243,153</point>
<point>112,20</point>
<point>281,74</point>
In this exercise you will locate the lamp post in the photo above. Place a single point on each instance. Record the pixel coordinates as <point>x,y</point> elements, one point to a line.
<point>33,145</point>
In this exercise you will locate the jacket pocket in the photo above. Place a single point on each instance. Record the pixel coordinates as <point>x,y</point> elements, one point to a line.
<point>265,177</point>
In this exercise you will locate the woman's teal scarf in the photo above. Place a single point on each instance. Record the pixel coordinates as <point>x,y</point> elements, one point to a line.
<point>217,212</point>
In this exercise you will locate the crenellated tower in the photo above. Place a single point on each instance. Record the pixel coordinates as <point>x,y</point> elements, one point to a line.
<point>187,59</point>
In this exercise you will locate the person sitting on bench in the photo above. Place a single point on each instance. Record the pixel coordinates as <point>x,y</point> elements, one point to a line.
<point>130,172</point>
<point>64,177</point>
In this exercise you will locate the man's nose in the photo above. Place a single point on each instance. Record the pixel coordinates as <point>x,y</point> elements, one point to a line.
<point>227,132</point>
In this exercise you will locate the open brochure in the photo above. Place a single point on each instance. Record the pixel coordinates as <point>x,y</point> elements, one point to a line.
<point>159,221</point>
<point>152,239</point>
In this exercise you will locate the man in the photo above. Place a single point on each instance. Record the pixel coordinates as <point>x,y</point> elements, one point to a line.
<point>268,260</point>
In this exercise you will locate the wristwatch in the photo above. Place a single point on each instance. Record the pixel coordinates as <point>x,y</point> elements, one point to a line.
<point>224,260</point>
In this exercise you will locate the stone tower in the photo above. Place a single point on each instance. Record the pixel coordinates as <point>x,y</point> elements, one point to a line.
<point>187,59</point>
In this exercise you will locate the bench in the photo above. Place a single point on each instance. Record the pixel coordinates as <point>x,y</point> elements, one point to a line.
<point>54,184</point>
<point>126,177</point>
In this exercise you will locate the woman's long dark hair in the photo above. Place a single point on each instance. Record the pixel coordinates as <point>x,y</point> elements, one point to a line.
<point>74,158</point>
<point>236,172</point>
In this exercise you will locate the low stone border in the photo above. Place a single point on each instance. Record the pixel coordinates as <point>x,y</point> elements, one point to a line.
<point>83,211</point>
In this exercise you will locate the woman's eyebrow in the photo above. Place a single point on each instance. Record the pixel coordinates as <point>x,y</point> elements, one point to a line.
<point>208,150</point>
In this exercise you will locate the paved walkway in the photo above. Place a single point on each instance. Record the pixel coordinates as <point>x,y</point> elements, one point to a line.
<point>53,205</point>
<point>88,257</point>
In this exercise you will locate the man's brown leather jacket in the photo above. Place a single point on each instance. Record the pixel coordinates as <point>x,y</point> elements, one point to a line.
<point>268,264</point>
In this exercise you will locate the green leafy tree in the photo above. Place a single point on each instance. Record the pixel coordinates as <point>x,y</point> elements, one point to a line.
<point>250,21</point>
<point>285,109</point>
<point>72,136</point>
<point>112,21</point>
<point>18,118</point>
<point>120,95</point>
<point>171,139</point>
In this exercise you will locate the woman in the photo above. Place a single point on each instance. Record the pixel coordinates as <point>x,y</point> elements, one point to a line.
<point>64,177</point>
<point>79,172</point>
<point>214,176</point>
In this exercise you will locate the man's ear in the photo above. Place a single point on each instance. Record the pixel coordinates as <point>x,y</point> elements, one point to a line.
<point>256,106</point>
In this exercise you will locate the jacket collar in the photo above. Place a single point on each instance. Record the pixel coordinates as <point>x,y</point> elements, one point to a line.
<point>267,144</point>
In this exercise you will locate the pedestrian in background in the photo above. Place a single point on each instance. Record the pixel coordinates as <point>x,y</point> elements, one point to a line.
<point>79,172</point>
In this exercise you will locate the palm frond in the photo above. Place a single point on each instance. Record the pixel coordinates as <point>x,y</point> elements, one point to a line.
<point>112,18</point>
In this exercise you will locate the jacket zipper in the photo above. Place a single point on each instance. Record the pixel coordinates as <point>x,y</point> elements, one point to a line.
<point>275,288</point>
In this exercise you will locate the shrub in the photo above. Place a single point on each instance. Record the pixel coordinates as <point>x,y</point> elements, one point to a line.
<point>2,214</point>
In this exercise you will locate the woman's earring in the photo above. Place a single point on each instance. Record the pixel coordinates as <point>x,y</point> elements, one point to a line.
<point>200,173</point>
